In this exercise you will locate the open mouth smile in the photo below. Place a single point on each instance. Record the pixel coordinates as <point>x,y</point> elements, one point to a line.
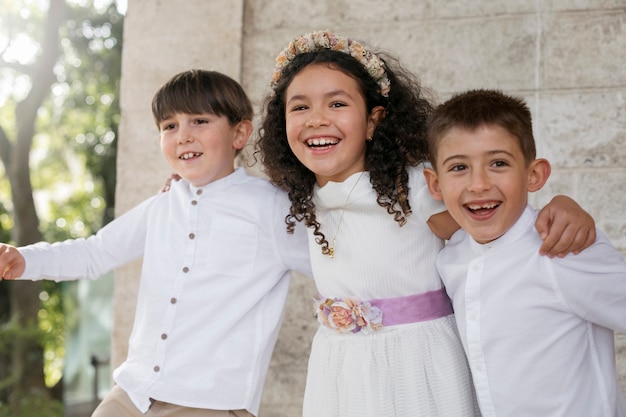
<point>321,142</point>
<point>482,208</point>
<point>189,155</point>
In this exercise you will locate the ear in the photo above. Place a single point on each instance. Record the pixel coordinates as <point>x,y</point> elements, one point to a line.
<point>375,117</point>
<point>243,130</point>
<point>433,183</point>
<point>538,173</point>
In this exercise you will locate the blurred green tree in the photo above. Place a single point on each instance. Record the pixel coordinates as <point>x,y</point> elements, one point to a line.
<point>60,65</point>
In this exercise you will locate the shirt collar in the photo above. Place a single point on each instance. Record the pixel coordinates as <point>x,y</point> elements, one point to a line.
<point>526,220</point>
<point>218,185</point>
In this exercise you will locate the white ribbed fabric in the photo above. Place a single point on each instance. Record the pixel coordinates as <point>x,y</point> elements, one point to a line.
<point>417,369</point>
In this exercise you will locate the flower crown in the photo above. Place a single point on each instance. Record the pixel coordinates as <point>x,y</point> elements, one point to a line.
<point>320,40</point>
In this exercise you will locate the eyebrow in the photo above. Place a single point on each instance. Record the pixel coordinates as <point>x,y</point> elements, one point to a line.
<point>490,153</point>
<point>330,94</point>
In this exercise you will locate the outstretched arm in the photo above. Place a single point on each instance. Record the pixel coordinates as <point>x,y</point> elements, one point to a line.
<point>564,227</point>
<point>12,263</point>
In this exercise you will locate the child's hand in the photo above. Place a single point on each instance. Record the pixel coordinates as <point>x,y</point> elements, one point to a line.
<point>168,182</point>
<point>443,225</point>
<point>564,227</point>
<point>12,263</point>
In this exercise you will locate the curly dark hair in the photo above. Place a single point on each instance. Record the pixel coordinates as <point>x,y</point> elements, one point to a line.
<point>399,140</point>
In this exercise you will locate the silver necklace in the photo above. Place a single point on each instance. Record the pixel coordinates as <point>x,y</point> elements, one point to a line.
<point>331,248</point>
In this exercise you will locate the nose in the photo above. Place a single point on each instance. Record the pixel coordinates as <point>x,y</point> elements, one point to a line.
<point>184,135</point>
<point>479,181</point>
<point>317,118</point>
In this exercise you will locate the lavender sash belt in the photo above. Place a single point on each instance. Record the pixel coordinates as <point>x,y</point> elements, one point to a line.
<point>350,315</point>
<point>413,308</point>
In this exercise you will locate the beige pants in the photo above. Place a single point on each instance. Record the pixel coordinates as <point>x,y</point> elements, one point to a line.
<point>118,404</point>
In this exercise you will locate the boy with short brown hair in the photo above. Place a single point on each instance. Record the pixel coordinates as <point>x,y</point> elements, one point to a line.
<point>538,332</point>
<point>216,263</point>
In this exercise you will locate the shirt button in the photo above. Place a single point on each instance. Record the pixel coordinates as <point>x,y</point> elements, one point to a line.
<point>192,236</point>
<point>163,336</point>
<point>194,202</point>
<point>186,269</point>
<point>199,192</point>
<point>156,368</point>
<point>172,300</point>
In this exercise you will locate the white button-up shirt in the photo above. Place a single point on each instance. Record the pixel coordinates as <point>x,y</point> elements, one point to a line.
<point>538,332</point>
<point>214,280</point>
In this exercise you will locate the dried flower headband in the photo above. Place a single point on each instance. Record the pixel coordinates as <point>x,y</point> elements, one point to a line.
<point>320,40</point>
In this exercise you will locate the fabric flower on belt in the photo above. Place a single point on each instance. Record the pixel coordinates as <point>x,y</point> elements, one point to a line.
<point>348,315</point>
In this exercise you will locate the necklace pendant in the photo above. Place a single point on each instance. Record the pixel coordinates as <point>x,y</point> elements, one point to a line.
<point>331,248</point>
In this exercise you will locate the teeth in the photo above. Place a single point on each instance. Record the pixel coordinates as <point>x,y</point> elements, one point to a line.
<point>189,155</point>
<point>482,206</point>
<point>321,142</point>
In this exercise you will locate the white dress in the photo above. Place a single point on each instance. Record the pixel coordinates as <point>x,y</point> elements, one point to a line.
<point>416,369</point>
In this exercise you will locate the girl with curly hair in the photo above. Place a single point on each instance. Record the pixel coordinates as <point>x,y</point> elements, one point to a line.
<point>343,132</point>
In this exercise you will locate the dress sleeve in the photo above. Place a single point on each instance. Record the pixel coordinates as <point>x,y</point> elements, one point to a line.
<point>421,200</point>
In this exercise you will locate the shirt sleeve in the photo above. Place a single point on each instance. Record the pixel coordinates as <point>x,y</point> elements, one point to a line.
<point>593,284</point>
<point>119,242</point>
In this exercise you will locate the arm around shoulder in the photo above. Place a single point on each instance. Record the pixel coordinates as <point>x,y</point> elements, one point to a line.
<point>564,227</point>
<point>443,225</point>
<point>293,247</point>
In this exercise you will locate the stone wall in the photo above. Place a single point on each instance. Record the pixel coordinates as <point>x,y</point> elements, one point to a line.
<point>566,57</point>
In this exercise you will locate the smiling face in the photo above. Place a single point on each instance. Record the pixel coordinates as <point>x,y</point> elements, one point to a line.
<point>327,122</point>
<point>201,147</point>
<point>484,180</point>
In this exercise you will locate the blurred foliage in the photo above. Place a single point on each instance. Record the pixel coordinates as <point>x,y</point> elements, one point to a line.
<point>34,401</point>
<point>73,155</point>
